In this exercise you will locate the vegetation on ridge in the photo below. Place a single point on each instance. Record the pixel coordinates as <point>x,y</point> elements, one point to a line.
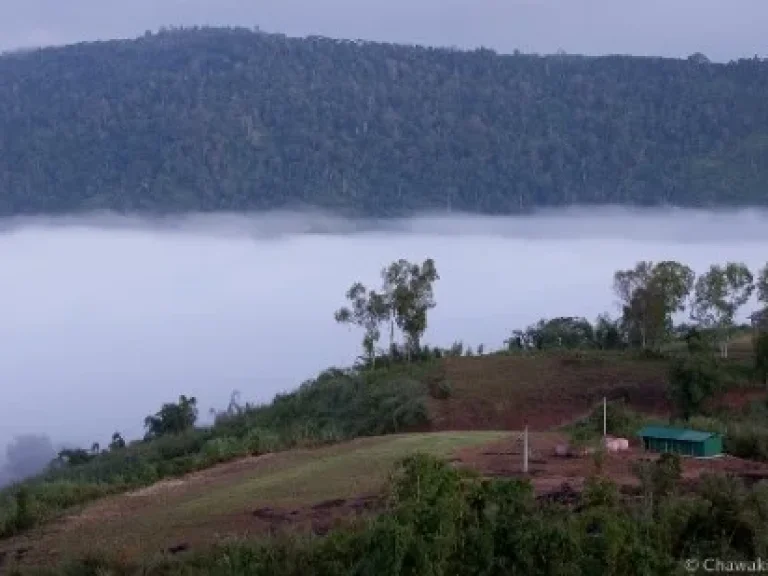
<point>391,390</point>
<point>222,119</point>
<point>441,521</point>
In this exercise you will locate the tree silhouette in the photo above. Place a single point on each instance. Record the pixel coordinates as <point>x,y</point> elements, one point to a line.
<point>173,418</point>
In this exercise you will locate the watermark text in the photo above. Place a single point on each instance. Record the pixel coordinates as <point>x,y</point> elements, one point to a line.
<point>718,566</point>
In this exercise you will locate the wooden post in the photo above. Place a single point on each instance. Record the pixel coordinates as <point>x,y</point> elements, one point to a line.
<point>605,417</point>
<point>525,451</point>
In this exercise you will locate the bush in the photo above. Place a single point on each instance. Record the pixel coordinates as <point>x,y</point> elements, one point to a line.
<point>222,449</point>
<point>583,436</point>
<point>747,441</point>
<point>761,357</point>
<point>337,405</point>
<point>650,354</point>
<point>178,445</point>
<point>620,421</point>
<point>260,441</point>
<point>442,390</point>
<point>692,381</point>
<point>706,424</point>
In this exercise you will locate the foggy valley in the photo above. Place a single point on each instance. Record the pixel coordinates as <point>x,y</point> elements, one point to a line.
<point>289,288</point>
<point>105,317</point>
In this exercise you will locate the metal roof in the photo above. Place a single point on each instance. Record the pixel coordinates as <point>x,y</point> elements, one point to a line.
<point>675,434</point>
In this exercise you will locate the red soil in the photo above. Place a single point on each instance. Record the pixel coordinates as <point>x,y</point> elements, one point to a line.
<point>549,472</point>
<point>510,392</point>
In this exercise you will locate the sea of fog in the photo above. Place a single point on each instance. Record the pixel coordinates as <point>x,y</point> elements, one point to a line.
<point>102,318</point>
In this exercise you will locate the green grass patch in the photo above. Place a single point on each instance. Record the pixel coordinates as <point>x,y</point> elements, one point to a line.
<point>336,406</point>
<point>133,526</point>
<point>310,476</point>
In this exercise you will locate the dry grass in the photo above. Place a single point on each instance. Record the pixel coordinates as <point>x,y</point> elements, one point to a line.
<point>203,508</point>
<point>508,392</point>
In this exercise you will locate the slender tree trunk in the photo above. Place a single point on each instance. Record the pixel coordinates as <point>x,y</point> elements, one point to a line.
<point>409,348</point>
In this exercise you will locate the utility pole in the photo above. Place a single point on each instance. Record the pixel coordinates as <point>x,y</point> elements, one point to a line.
<point>525,451</point>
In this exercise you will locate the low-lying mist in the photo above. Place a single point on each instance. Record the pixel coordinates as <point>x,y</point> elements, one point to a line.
<point>104,318</point>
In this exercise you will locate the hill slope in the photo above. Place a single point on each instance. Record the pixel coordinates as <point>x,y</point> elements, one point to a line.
<point>218,119</point>
<point>308,488</point>
<point>503,392</point>
<point>307,482</point>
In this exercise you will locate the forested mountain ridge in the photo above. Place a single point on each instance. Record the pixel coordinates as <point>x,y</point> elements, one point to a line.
<point>232,119</point>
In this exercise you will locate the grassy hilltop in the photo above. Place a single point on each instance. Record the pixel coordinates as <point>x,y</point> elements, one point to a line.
<point>411,461</point>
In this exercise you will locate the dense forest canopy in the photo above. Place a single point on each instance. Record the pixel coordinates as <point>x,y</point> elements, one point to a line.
<point>233,119</point>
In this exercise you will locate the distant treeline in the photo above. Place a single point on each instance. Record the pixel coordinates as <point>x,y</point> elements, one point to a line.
<point>233,119</point>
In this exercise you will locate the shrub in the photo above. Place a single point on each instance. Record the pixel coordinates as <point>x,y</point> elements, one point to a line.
<point>176,445</point>
<point>620,421</point>
<point>583,436</point>
<point>761,357</point>
<point>693,380</point>
<point>222,449</point>
<point>706,424</point>
<point>337,405</point>
<point>747,441</point>
<point>440,389</point>
<point>261,440</point>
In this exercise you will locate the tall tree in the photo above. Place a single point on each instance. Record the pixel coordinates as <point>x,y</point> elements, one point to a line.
<point>411,299</point>
<point>564,332</point>
<point>607,333</point>
<point>644,319</point>
<point>650,294</point>
<point>718,295</point>
<point>117,443</point>
<point>173,418</point>
<point>762,285</point>
<point>367,310</point>
<point>631,288</point>
<point>404,301</point>
<point>692,381</point>
<point>394,282</point>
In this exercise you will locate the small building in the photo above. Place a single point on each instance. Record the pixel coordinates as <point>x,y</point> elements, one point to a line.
<point>681,441</point>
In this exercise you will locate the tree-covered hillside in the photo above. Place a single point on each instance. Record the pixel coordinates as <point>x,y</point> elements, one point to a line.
<point>218,119</point>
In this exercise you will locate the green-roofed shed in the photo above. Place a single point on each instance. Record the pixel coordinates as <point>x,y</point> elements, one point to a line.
<point>681,441</point>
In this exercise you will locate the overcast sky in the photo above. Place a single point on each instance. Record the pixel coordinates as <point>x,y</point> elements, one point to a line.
<point>722,30</point>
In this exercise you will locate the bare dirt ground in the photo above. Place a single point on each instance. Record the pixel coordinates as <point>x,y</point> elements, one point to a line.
<point>738,399</point>
<point>510,392</point>
<point>549,472</point>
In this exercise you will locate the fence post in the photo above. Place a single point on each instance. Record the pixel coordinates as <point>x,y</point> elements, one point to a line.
<point>525,451</point>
